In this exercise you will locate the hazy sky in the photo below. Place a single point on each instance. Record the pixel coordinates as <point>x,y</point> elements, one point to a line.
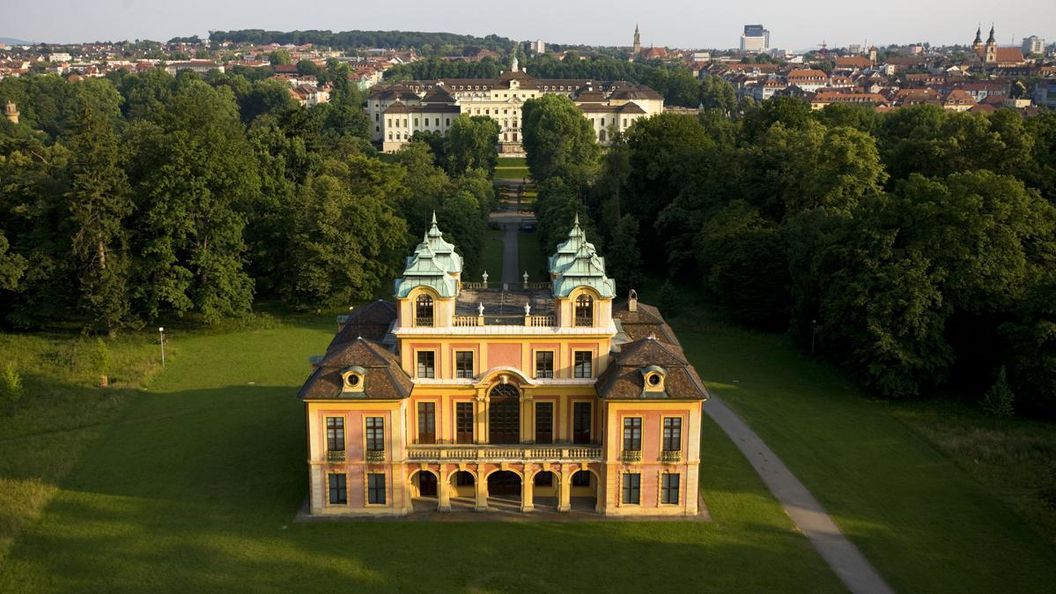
<point>672,23</point>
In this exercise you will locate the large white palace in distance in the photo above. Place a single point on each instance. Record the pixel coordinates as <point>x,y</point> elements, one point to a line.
<point>397,111</point>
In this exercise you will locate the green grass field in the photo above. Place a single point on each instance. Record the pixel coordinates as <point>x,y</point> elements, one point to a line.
<point>491,259</point>
<point>192,485</point>
<point>511,168</point>
<point>926,523</point>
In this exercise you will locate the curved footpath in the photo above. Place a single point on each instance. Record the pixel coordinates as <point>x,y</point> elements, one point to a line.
<point>806,512</point>
<point>853,569</point>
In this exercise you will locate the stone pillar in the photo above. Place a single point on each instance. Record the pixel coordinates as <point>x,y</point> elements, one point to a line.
<point>481,485</point>
<point>480,418</point>
<point>527,493</point>
<point>443,491</point>
<point>564,501</point>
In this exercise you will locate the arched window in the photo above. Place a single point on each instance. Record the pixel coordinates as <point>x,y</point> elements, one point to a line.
<point>423,311</point>
<point>584,310</point>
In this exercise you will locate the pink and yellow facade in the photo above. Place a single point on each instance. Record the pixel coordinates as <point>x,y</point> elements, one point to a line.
<point>543,396</point>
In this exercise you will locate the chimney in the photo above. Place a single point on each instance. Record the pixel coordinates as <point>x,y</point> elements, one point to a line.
<point>632,301</point>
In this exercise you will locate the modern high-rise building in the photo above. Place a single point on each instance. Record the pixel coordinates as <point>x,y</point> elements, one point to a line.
<point>755,39</point>
<point>539,46</point>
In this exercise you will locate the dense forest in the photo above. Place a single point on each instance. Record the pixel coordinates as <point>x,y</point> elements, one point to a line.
<point>425,43</point>
<point>146,197</point>
<point>916,249</point>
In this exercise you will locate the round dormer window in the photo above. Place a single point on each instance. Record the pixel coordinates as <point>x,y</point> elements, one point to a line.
<point>654,379</point>
<point>352,380</point>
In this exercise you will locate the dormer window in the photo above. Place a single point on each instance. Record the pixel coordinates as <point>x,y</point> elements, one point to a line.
<point>653,378</point>
<point>423,311</point>
<point>584,311</point>
<point>352,379</point>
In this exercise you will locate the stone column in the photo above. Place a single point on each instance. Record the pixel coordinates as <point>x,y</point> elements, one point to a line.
<point>527,493</point>
<point>481,485</point>
<point>564,501</point>
<point>443,491</point>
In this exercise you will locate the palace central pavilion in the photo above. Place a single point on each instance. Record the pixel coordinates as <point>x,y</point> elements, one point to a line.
<point>541,396</point>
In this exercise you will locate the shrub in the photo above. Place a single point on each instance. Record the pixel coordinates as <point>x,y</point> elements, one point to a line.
<point>998,399</point>
<point>11,387</point>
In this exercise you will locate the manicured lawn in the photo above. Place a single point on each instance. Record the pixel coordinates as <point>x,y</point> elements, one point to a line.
<point>512,162</point>
<point>491,258</point>
<point>531,258</point>
<point>193,485</point>
<point>926,523</point>
<point>511,173</point>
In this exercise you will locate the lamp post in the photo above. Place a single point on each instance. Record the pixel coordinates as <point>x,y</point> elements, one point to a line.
<point>161,335</point>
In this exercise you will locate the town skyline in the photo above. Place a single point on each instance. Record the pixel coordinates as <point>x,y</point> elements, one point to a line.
<point>684,24</point>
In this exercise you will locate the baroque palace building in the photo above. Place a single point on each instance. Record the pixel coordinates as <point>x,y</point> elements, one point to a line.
<point>397,111</point>
<point>544,395</point>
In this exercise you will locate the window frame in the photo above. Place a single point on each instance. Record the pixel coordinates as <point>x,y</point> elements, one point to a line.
<point>553,357</point>
<point>667,489</point>
<point>337,488</point>
<point>667,436</point>
<point>424,301</point>
<point>373,489</point>
<point>636,426</point>
<point>372,426</point>
<point>550,429</point>
<point>582,370</point>
<point>459,417</point>
<point>631,490</point>
<point>426,418</point>
<point>590,421</point>
<point>583,302</point>
<point>459,360</point>
<point>335,434</point>
<point>426,372</point>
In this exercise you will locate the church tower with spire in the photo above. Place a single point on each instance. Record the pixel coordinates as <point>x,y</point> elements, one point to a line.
<point>636,47</point>
<point>977,45</point>
<point>991,48</point>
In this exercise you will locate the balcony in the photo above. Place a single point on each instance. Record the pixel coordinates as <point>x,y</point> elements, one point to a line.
<point>631,456</point>
<point>375,456</point>
<point>671,456</point>
<point>504,453</point>
<point>334,456</point>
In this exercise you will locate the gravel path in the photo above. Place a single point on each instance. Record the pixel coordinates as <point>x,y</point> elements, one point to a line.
<point>853,569</point>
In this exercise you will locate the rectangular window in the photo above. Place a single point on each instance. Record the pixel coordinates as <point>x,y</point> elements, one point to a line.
<point>632,488</point>
<point>581,422</point>
<point>672,434</point>
<point>426,422</point>
<point>544,364</point>
<point>415,122</point>
<point>544,422</point>
<point>464,422</point>
<point>376,488</point>
<point>583,364</point>
<point>335,434</point>
<point>338,488</point>
<point>426,364</point>
<point>632,433</point>
<point>669,488</point>
<point>464,364</point>
<point>375,434</point>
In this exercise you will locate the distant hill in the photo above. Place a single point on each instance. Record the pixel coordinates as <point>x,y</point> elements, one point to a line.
<point>13,41</point>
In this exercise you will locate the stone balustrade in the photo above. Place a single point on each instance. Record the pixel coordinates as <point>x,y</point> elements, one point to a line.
<point>502,453</point>
<point>671,456</point>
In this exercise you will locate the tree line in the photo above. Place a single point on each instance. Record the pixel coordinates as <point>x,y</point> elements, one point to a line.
<point>425,43</point>
<point>916,249</point>
<point>144,197</point>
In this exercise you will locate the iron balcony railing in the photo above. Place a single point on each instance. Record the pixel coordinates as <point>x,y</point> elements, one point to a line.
<point>671,456</point>
<point>335,456</point>
<point>375,456</point>
<point>631,456</point>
